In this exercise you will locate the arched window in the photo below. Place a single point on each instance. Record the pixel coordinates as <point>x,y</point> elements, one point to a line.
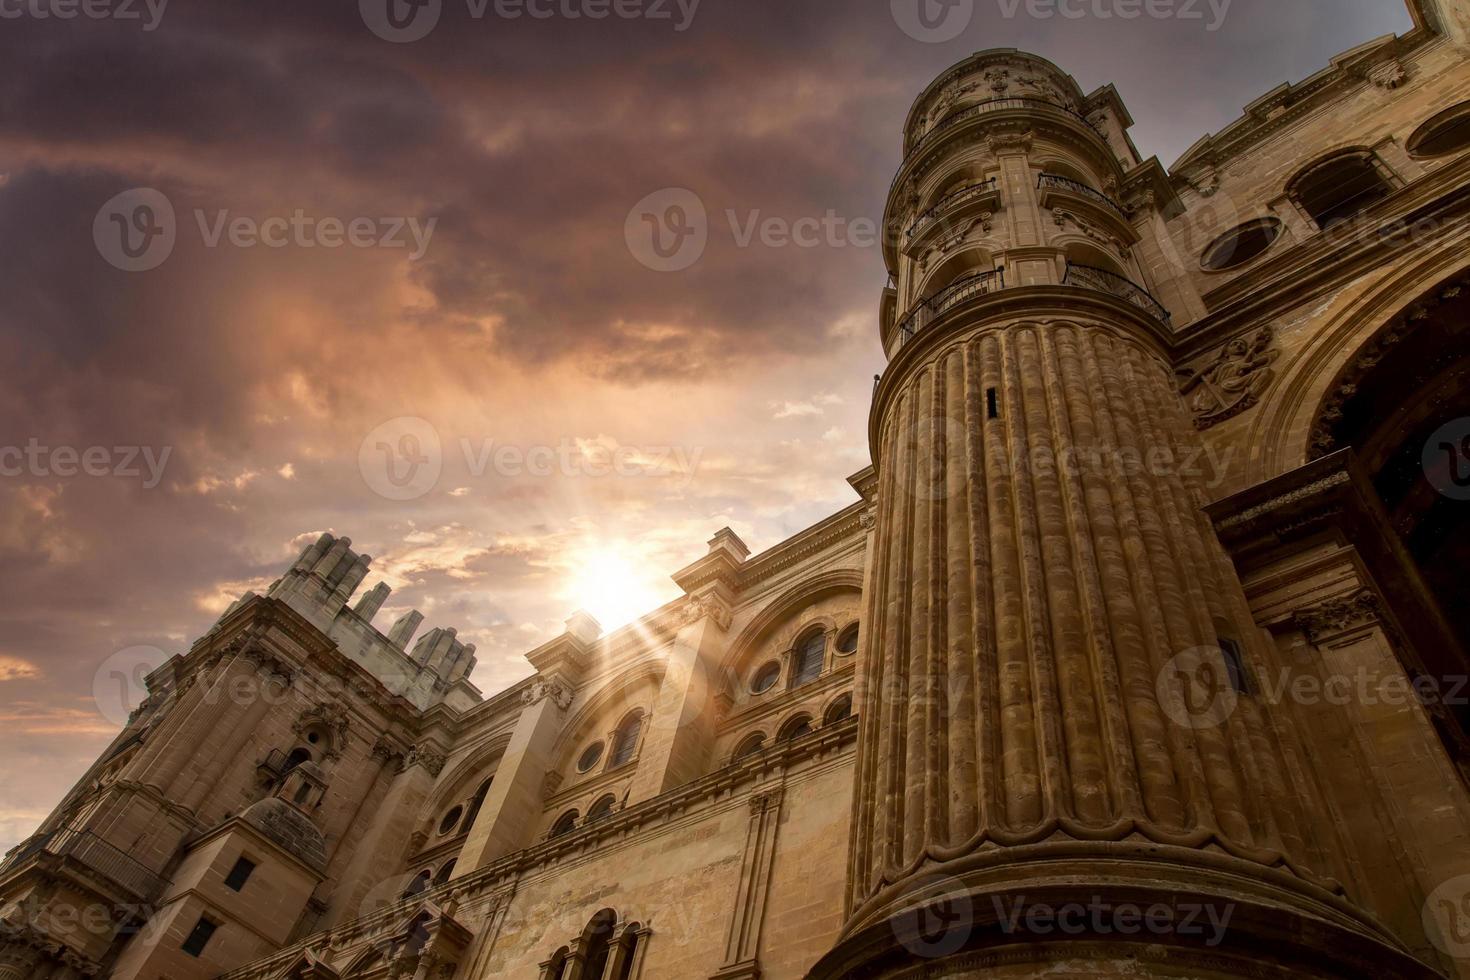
<point>602,809</point>
<point>625,742</point>
<point>1338,188</point>
<point>597,942</point>
<point>795,728</point>
<point>847,642</point>
<point>840,711</point>
<point>297,757</point>
<point>565,824</point>
<point>752,744</point>
<point>811,653</point>
<point>444,872</point>
<point>475,804</point>
<point>1446,133</point>
<point>419,883</point>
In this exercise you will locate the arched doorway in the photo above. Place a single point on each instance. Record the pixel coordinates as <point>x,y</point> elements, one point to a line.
<point>1401,406</point>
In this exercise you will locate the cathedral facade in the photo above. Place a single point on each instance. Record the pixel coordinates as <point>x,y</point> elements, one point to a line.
<point>1135,654</point>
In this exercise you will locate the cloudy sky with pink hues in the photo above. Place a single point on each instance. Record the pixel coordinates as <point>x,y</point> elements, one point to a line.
<point>735,391</point>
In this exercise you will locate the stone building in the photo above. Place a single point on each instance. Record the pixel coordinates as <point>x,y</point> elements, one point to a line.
<point>1135,654</point>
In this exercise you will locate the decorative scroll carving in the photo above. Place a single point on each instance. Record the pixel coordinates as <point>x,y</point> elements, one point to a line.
<point>333,717</point>
<point>540,690</point>
<point>697,607</point>
<point>1388,75</point>
<point>1336,616</point>
<point>1232,379</point>
<point>1014,140</point>
<point>424,755</point>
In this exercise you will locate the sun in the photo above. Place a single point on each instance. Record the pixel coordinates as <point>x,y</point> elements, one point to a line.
<point>609,584</point>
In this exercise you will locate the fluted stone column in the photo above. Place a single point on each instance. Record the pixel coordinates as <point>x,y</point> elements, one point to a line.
<point>1046,611</point>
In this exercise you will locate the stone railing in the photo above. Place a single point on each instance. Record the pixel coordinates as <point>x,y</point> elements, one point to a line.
<point>91,852</point>
<point>994,105</point>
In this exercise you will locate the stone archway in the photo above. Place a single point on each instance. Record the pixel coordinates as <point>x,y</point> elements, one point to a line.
<point>1402,404</point>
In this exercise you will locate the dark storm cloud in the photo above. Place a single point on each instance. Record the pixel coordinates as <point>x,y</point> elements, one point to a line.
<point>526,320</point>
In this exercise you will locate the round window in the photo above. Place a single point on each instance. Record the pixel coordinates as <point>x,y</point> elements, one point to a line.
<point>590,757</point>
<point>1238,247</point>
<point>766,678</point>
<point>847,642</point>
<point>450,820</point>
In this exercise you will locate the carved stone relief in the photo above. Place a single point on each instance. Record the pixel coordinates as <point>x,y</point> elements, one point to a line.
<point>1232,379</point>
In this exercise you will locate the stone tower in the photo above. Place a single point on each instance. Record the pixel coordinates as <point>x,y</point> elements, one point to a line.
<point>1049,608</point>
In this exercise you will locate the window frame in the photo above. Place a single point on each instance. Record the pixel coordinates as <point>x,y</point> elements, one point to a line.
<point>243,877</point>
<point>208,927</point>
<point>814,640</point>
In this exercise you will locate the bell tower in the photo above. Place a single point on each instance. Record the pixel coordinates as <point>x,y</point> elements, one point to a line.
<point>1062,765</point>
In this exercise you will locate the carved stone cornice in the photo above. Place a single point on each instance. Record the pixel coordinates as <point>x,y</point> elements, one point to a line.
<point>1342,614</point>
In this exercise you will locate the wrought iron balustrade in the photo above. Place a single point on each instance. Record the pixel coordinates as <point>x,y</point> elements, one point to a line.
<point>961,291</point>
<point>1101,280</point>
<point>950,200</point>
<point>1077,187</point>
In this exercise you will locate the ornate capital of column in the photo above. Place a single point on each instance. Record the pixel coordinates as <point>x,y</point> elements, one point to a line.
<point>1340,615</point>
<point>698,607</point>
<point>540,690</point>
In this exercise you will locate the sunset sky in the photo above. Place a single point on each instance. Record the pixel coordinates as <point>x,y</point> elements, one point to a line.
<point>734,392</point>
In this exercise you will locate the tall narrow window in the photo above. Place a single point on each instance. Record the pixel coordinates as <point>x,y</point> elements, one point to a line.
<point>992,404</point>
<point>1235,666</point>
<point>239,874</point>
<point>199,936</point>
<point>475,804</point>
<point>811,652</point>
<point>625,743</point>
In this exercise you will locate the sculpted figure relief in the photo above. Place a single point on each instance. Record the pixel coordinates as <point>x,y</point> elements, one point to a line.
<point>1232,381</point>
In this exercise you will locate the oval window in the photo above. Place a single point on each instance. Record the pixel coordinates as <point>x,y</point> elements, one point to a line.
<point>1241,245</point>
<point>847,642</point>
<point>590,757</point>
<point>450,820</point>
<point>1446,133</point>
<point>766,678</point>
